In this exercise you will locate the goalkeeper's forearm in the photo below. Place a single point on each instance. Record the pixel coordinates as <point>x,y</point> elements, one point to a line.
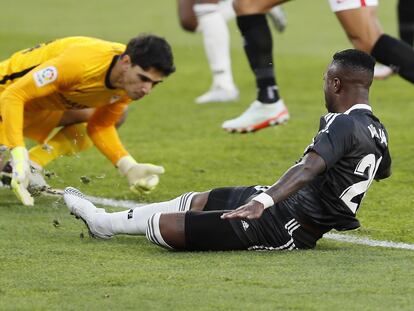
<point>106,139</point>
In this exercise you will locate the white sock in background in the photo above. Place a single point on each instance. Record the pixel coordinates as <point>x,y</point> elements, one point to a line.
<point>216,43</point>
<point>134,221</point>
<point>227,10</point>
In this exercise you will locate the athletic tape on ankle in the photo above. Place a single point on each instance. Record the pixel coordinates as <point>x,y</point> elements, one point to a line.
<point>265,199</point>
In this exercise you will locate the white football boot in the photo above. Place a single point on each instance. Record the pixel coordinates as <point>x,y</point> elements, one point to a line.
<point>278,17</point>
<point>81,208</point>
<point>258,116</point>
<point>382,72</point>
<point>218,94</point>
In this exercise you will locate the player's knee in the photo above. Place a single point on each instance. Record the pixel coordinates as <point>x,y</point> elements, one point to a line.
<point>362,44</point>
<point>167,230</point>
<point>365,41</point>
<point>199,201</point>
<point>187,17</point>
<point>189,23</point>
<point>153,232</point>
<point>240,7</point>
<point>248,7</point>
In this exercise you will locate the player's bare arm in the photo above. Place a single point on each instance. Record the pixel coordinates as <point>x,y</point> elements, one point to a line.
<point>294,179</point>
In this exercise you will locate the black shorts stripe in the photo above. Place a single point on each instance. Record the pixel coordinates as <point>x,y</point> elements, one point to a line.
<point>16,75</point>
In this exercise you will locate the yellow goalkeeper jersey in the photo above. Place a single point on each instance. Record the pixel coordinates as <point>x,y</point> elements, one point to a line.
<point>68,73</point>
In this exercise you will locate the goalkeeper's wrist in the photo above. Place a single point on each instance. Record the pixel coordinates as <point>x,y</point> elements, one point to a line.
<point>20,164</point>
<point>19,154</point>
<point>125,163</point>
<point>265,199</point>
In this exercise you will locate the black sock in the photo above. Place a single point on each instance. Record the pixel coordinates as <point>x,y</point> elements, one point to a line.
<point>396,54</point>
<point>258,47</point>
<point>406,20</point>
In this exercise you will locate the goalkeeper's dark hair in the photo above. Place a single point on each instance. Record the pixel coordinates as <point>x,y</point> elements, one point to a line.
<point>150,51</point>
<point>354,60</point>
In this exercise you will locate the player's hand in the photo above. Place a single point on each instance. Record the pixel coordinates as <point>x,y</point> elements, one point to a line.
<point>20,176</point>
<point>142,177</point>
<point>251,210</point>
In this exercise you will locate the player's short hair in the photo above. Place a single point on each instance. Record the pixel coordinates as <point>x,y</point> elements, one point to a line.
<point>150,51</point>
<point>355,60</point>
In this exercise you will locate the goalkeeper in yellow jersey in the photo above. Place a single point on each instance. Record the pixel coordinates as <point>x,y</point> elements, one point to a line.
<point>59,84</point>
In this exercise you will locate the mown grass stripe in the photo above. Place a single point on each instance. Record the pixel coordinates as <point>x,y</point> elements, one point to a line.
<point>367,241</point>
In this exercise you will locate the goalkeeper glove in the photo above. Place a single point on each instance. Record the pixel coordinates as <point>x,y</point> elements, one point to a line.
<point>20,175</point>
<point>142,177</point>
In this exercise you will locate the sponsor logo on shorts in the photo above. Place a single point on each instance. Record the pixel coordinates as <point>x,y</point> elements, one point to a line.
<point>45,76</point>
<point>245,225</point>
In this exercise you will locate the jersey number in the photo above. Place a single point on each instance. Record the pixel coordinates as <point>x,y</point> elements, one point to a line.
<point>368,162</point>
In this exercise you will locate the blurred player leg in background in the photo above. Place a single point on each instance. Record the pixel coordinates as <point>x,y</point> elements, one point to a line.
<point>381,72</point>
<point>278,17</point>
<point>209,17</point>
<point>212,24</point>
<point>359,20</point>
<point>268,108</point>
<point>405,11</point>
<point>406,21</point>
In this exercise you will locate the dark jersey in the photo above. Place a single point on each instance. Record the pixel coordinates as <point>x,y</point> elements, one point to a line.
<point>354,145</point>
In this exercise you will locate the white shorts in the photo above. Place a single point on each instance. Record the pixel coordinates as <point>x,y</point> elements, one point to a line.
<point>343,5</point>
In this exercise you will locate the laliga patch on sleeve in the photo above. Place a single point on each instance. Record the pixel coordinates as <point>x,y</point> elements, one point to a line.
<point>45,76</point>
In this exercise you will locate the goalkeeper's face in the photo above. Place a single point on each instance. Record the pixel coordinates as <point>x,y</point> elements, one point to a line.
<point>138,82</point>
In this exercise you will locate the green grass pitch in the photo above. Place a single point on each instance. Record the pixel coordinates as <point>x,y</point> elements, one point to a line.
<point>45,264</point>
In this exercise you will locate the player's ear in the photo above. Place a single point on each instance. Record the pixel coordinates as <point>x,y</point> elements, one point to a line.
<point>125,62</point>
<point>126,59</point>
<point>337,84</point>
